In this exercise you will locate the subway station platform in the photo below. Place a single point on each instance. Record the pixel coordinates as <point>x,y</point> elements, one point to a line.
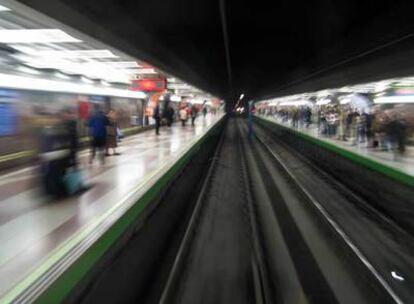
<point>402,163</point>
<point>36,233</point>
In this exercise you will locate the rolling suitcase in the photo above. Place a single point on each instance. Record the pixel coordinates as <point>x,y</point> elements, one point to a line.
<point>73,181</point>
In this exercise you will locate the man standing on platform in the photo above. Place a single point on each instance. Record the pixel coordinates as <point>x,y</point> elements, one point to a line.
<point>193,113</point>
<point>97,129</point>
<point>157,118</point>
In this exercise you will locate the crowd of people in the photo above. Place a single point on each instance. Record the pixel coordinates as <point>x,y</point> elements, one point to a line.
<point>59,145</point>
<point>59,142</point>
<point>369,127</point>
<point>165,113</point>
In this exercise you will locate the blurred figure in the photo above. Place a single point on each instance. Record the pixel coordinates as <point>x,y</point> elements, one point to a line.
<point>170,114</point>
<point>308,117</point>
<point>295,118</point>
<point>397,135</point>
<point>59,145</point>
<point>70,124</point>
<point>168,111</point>
<point>183,116</point>
<point>362,127</point>
<point>97,129</point>
<point>111,133</point>
<point>53,155</point>
<point>342,123</point>
<point>157,118</point>
<point>193,113</point>
<point>369,121</point>
<point>205,108</point>
<point>354,126</point>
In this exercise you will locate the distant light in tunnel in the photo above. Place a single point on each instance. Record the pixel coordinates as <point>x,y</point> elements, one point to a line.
<point>397,276</point>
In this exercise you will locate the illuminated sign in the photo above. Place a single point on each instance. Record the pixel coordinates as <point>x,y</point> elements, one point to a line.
<point>149,85</point>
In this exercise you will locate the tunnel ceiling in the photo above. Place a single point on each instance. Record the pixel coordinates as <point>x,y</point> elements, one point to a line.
<point>275,47</point>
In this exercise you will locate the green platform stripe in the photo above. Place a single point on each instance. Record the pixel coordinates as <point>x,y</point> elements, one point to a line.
<point>66,283</point>
<point>388,171</point>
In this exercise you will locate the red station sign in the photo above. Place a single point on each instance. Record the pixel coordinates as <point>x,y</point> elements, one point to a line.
<point>149,85</point>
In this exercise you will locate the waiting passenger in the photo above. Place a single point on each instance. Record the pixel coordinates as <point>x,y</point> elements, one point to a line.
<point>397,135</point>
<point>205,108</point>
<point>168,110</point>
<point>183,116</point>
<point>97,130</point>
<point>193,114</point>
<point>170,114</point>
<point>70,125</point>
<point>157,117</point>
<point>111,133</point>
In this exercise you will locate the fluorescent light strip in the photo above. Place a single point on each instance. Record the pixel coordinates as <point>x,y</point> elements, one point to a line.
<point>345,101</point>
<point>394,99</point>
<point>36,36</point>
<point>294,103</point>
<point>175,98</point>
<point>144,71</point>
<point>76,54</point>
<point>36,84</point>
<point>123,64</point>
<point>28,70</point>
<point>323,102</point>
<point>61,75</point>
<point>87,80</point>
<point>4,9</point>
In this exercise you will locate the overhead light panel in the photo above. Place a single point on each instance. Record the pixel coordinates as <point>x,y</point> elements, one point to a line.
<point>294,103</point>
<point>175,98</point>
<point>123,64</point>
<point>395,99</point>
<point>4,9</point>
<point>324,101</point>
<point>87,80</point>
<point>28,70</point>
<point>145,71</point>
<point>77,54</point>
<point>62,76</point>
<point>36,36</point>
<point>39,84</point>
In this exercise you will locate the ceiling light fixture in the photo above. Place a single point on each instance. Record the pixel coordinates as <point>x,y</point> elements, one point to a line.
<point>28,70</point>
<point>62,76</point>
<point>76,54</point>
<point>87,80</point>
<point>36,36</point>
<point>39,84</point>
<point>123,64</point>
<point>394,99</point>
<point>4,9</point>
